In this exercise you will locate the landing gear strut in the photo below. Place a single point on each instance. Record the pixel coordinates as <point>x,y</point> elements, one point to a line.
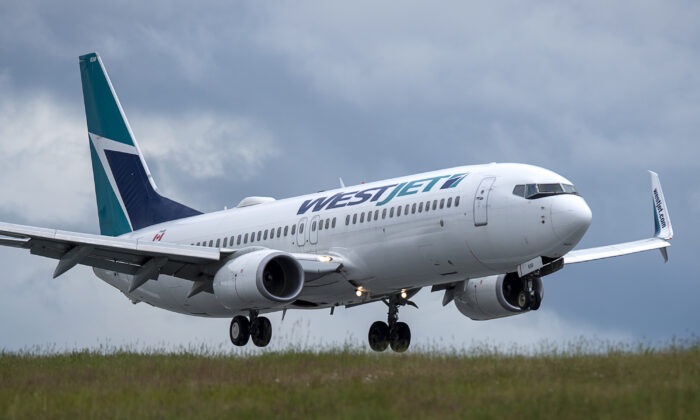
<point>391,333</point>
<point>258,328</point>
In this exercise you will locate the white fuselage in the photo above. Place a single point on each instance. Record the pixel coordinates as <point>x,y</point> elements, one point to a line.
<point>484,230</point>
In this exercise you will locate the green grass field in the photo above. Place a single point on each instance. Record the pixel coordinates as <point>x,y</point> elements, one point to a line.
<point>661,383</point>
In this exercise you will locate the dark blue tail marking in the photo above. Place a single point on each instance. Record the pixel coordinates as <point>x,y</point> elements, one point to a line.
<point>143,204</point>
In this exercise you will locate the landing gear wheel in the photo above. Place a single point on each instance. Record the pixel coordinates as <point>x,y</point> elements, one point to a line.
<point>400,337</point>
<point>536,301</point>
<point>378,336</point>
<point>523,299</point>
<point>239,331</point>
<point>261,331</point>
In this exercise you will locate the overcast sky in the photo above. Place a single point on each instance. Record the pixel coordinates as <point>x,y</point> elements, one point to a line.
<point>230,99</point>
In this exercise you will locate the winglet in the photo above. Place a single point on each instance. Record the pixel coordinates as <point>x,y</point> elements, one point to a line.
<point>662,220</point>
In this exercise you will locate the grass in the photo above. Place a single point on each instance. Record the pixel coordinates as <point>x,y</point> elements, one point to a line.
<point>662,382</point>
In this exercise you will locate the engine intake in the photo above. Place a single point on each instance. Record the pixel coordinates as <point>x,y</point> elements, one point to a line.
<point>259,279</point>
<point>496,296</point>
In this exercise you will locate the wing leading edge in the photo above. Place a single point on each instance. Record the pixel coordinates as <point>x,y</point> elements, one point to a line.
<point>661,240</point>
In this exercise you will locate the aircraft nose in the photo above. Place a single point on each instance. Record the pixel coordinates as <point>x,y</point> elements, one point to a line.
<point>571,218</point>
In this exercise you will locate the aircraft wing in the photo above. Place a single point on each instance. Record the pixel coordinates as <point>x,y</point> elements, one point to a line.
<point>142,259</point>
<point>661,240</point>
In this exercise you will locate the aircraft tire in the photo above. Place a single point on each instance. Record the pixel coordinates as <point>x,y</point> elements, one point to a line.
<point>378,336</point>
<point>523,300</point>
<point>239,331</point>
<point>536,302</point>
<point>401,337</point>
<point>261,333</point>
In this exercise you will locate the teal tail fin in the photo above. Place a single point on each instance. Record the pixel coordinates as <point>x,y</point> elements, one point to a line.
<point>127,197</point>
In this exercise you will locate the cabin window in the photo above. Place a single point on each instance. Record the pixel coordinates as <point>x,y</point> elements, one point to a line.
<point>449,202</point>
<point>369,216</point>
<point>457,201</point>
<point>333,223</point>
<point>211,243</point>
<point>442,204</point>
<point>259,235</point>
<point>413,208</point>
<point>238,240</point>
<point>252,237</point>
<point>347,220</point>
<point>294,229</point>
<point>218,242</point>
<point>328,221</point>
<point>320,225</point>
<point>198,243</point>
<point>313,226</point>
<point>301,228</point>
<point>405,209</point>
<point>286,229</point>
<point>384,214</point>
<point>265,235</point>
<point>427,206</point>
<point>225,242</point>
<point>391,212</point>
<point>354,218</point>
<point>420,207</point>
<point>398,211</point>
<point>376,214</point>
<point>279,232</point>
<point>362,217</point>
<point>435,207</point>
<point>272,233</point>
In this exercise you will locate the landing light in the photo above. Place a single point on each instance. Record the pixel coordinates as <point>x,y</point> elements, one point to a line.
<point>360,290</point>
<point>325,259</point>
<point>404,295</point>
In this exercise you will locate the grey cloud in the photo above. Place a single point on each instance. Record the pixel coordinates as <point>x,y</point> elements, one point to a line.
<point>294,94</point>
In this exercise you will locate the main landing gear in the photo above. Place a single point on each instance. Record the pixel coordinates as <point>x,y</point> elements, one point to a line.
<point>391,333</point>
<point>529,297</point>
<point>258,328</point>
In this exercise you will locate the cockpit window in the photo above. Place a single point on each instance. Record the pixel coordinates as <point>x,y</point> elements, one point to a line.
<point>519,190</point>
<point>534,191</point>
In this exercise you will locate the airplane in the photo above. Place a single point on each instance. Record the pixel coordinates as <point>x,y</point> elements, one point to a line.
<point>484,235</point>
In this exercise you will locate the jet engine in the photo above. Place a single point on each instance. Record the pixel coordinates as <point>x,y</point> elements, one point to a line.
<point>259,279</point>
<point>498,296</point>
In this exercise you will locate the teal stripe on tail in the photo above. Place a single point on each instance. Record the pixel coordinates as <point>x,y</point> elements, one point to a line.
<point>127,197</point>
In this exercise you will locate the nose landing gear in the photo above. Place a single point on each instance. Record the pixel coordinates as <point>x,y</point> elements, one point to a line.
<point>391,333</point>
<point>258,328</point>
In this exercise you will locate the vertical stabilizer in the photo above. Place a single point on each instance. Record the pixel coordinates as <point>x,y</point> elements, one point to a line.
<point>127,197</point>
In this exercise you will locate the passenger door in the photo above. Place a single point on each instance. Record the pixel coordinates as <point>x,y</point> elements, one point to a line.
<point>481,201</point>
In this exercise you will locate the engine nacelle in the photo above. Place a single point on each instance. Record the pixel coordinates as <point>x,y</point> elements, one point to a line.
<point>494,296</point>
<point>258,280</point>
